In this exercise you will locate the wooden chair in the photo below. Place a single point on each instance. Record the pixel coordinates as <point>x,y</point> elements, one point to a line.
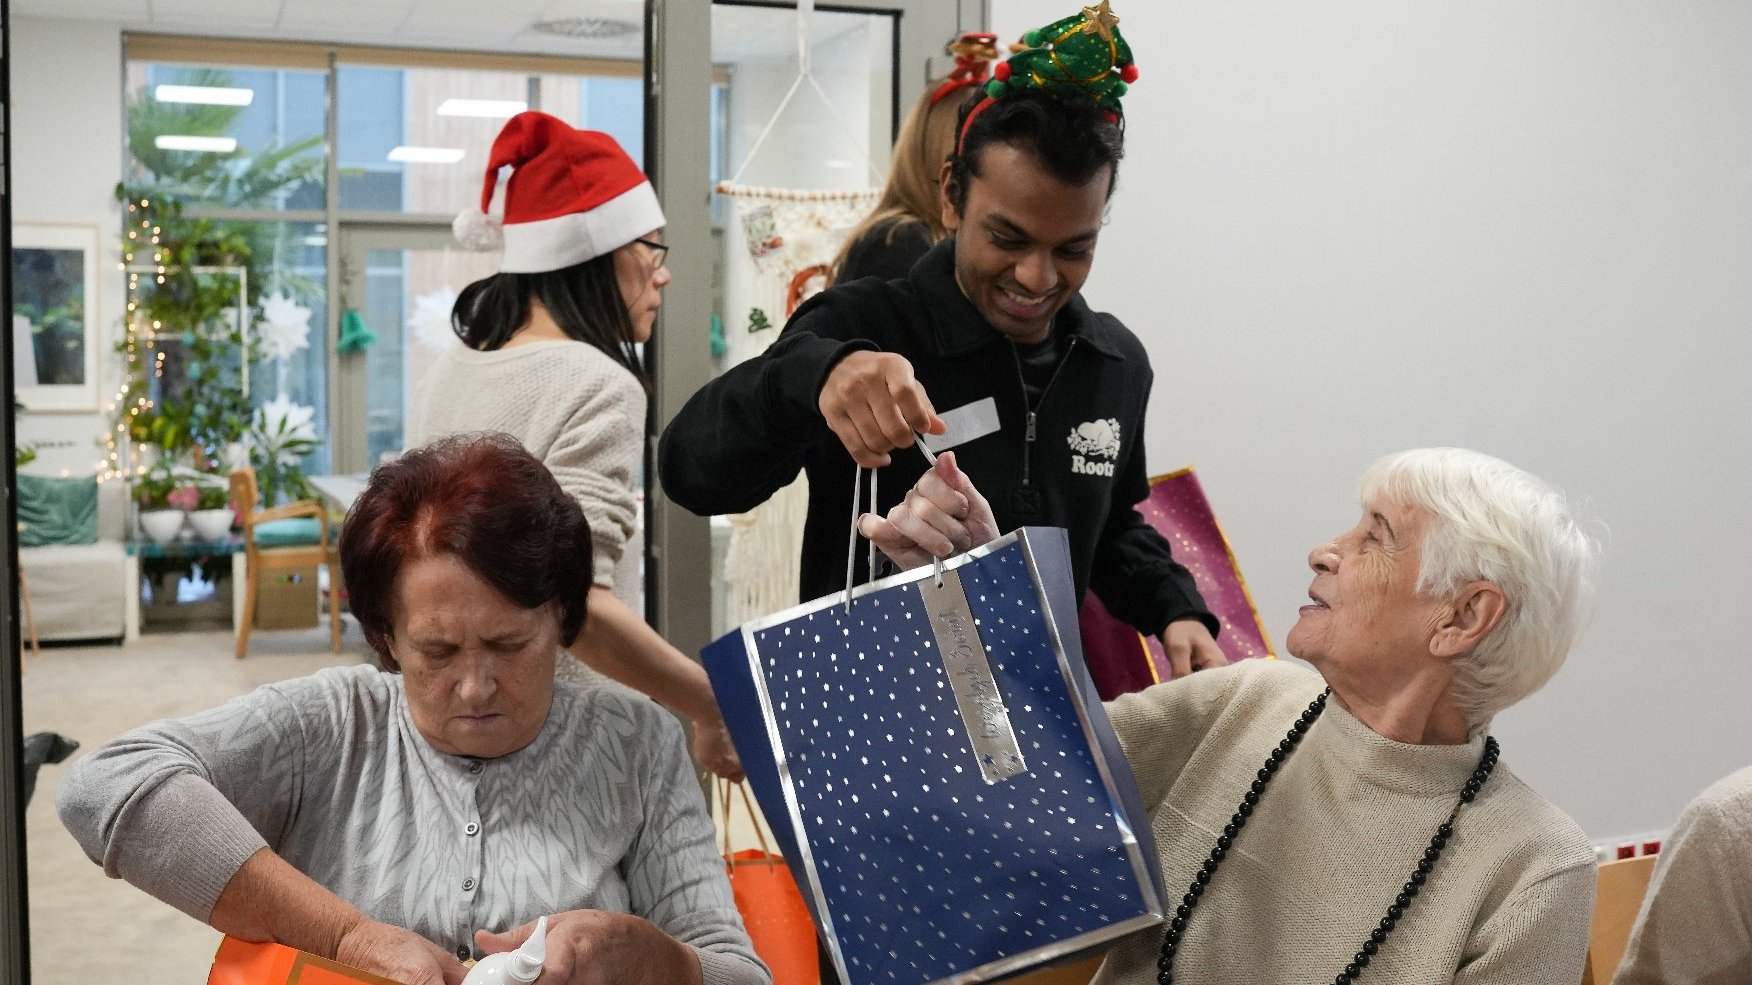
<point>1075,973</point>
<point>262,560</point>
<point>1617,900</point>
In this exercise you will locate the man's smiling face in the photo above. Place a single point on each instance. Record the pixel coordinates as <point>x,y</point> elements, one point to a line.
<point>1024,241</point>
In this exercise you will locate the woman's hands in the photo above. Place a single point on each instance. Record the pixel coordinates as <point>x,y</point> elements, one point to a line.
<point>594,947</point>
<point>712,748</point>
<point>942,515</point>
<point>399,955</point>
<point>269,900</point>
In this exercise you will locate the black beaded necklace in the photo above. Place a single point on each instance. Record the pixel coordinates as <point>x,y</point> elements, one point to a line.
<point>1395,910</point>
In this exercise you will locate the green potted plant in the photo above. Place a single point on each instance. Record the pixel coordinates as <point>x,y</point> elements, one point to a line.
<point>283,433</point>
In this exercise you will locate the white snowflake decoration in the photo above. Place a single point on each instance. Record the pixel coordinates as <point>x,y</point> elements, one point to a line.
<point>430,321</point>
<point>285,327</point>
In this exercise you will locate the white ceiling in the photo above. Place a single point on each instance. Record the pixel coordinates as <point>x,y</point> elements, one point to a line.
<point>478,25</point>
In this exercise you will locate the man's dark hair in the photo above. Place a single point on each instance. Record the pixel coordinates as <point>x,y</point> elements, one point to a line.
<point>1071,137</point>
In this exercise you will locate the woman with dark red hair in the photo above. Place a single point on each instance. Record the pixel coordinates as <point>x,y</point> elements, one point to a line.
<point>406,818</point>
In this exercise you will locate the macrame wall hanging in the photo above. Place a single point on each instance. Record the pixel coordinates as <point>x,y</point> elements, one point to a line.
<point>783,240</point>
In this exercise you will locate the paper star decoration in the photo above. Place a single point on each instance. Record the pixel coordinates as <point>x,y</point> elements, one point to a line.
<point>285,327</point>
<point>430,322</point>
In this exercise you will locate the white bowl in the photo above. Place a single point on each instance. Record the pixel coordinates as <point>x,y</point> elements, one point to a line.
<point>161,525</point>
<point>211,524</point>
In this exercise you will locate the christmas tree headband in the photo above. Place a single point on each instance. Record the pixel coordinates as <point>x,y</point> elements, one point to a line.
<point>1083,52</point>
<point>974,53</point>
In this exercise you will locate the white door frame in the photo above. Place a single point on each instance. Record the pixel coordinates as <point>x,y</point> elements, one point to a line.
<point>678,75</point>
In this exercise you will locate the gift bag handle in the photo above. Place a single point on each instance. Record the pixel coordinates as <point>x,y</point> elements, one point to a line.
<point>875,504</point>
<point>754,818</point>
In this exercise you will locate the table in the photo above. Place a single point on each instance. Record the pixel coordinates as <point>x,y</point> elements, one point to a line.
<point>231,544</point>
<point>340,489</point>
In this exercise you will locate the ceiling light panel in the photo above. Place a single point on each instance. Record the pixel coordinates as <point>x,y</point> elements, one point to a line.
<point>427,155</point>
<point>491,109</point>
<point>204,95</point>
<point>212,145</point>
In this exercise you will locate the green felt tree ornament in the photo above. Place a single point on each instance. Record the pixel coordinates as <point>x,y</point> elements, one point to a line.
<point>1083,51</point>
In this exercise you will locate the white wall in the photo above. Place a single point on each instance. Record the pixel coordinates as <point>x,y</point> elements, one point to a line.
<point>67,158</point>
<point>1346,229</point>
<point>851,67</point>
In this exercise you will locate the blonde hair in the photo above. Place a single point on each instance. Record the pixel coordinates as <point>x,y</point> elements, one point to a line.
<point>915,170</point>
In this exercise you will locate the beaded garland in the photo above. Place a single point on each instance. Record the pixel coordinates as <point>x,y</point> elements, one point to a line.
<point>1250,800</point>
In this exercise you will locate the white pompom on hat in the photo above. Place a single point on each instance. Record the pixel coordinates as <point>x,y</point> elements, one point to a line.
<point>573,195</point>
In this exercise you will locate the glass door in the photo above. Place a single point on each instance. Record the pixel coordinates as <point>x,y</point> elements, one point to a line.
<point>728,99</point>
<point>398,283</point>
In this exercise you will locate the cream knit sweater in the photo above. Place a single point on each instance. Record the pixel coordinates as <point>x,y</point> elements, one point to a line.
<point>574,408</point>
<point>1335,836</point>
<point>1696,922</point>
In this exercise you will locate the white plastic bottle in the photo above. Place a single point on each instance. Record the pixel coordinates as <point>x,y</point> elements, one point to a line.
<point>513,967</point>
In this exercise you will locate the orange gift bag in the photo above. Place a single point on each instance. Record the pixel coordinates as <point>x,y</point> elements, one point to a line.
<point>245,963</point>
<point>771,907</point>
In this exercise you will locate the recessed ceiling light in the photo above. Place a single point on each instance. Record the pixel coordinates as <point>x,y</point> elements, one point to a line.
<point>205,95</point>
<point>596,28</point>
<point>215,145</point>
<point>427,155</point>
<point>492,109</point>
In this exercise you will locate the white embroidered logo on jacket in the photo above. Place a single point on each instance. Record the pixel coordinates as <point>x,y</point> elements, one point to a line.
<point>1092,440</point>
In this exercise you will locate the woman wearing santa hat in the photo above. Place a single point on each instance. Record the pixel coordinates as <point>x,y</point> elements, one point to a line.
<point>550,358</point>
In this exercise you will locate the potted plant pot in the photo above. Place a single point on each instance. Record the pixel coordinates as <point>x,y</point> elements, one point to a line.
<point>162,526</point>
<point>211,524</point>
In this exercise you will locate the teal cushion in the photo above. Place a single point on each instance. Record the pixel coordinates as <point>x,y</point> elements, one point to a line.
<point>296,532</point>
<point>56,511</point>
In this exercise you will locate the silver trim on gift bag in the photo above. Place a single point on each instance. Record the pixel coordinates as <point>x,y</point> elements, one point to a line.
<point>989,733</point>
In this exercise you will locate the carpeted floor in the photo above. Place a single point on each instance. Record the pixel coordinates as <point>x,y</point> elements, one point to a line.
<point>85,927</point>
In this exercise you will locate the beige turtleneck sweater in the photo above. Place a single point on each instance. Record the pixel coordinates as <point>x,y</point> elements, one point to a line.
<point>1695,927</point>
<point>1336,834</point>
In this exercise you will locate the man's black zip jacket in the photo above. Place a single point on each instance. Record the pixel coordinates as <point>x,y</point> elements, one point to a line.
<point>744,435</point>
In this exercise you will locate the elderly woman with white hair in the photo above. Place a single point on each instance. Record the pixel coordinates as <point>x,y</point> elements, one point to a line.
<point>1354,822</point>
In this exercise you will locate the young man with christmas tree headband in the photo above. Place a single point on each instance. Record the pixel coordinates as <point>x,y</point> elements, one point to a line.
<point>1044,398</point>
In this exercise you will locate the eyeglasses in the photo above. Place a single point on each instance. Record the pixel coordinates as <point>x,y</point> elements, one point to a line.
<point>660,252</point>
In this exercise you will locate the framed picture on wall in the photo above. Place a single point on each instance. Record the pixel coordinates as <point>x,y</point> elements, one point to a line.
<point>54,316</point>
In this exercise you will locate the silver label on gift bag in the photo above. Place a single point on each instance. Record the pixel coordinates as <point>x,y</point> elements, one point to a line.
<point>982,709</point>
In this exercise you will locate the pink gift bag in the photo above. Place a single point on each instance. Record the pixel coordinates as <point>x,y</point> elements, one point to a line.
<point>1121,659</point>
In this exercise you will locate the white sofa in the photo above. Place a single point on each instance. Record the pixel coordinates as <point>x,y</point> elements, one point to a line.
<point>79,591</point>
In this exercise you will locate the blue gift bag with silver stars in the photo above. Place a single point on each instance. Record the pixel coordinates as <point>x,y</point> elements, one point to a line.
<point>932,756</point>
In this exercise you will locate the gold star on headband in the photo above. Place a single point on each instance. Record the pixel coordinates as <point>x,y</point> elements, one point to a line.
<point>1100,20</point>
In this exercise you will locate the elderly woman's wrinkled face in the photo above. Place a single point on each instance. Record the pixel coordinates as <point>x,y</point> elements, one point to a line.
<point>1365,611</point>
<point>479,667</point>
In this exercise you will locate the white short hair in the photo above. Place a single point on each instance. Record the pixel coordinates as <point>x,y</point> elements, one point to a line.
<point>1491,521</point>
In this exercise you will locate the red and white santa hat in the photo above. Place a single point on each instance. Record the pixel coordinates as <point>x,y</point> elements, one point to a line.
<point>573,195</point>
